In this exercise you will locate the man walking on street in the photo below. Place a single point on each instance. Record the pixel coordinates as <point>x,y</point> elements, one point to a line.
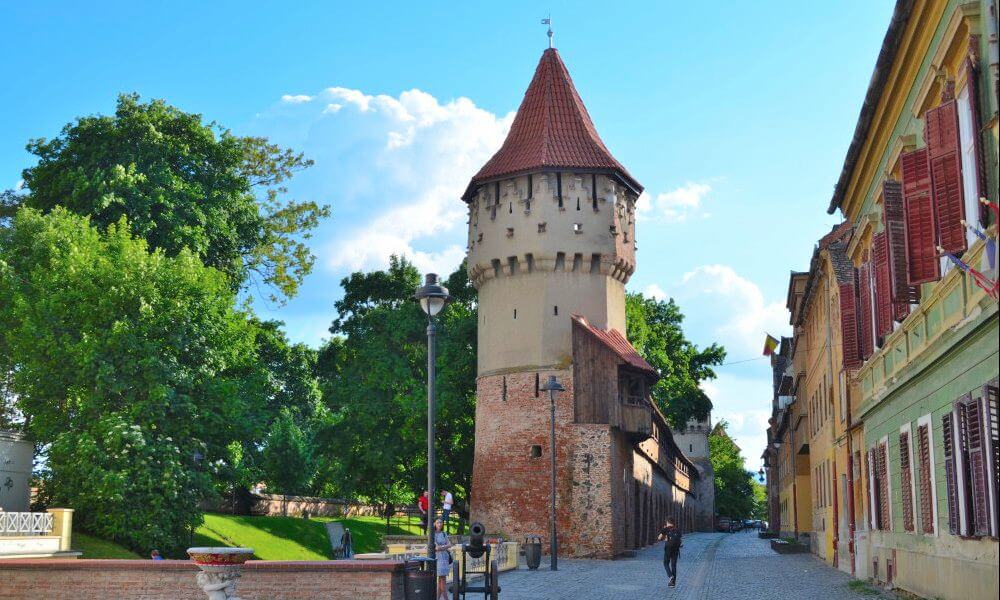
<point>671,550</point>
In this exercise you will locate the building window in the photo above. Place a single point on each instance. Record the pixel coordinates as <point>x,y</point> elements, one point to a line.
<point>928,494</point>
<point>906,477</point>
<point>536,451</point>
<point>970,167</point>
<point>970,451</point>
<point>577,227</point>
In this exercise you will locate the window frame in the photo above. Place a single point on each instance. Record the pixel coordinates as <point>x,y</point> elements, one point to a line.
<point>929,422</point>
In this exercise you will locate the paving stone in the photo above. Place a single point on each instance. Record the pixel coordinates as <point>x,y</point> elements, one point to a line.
<point>712,566</point>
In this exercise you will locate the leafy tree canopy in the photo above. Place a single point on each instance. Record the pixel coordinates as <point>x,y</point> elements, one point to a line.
<point>734,493</point>
<point>373,374</point>
<point>180,183</point>
<point>654,328</point>
<point>129,369</point>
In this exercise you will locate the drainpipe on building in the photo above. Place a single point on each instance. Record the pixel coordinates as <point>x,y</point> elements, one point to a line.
<point>829,371</point>
<point>850,477</point>
<point>795,496</point>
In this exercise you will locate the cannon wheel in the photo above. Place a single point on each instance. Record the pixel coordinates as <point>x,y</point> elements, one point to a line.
<point>494,581</point>
<point>456,583</point>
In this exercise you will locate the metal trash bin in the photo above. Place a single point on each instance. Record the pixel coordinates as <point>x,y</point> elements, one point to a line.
<point>419,579</point>
<point>533,551</point>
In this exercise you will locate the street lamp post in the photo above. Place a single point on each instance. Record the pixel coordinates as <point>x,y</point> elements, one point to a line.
<point>432,297</point>
<point>552,386</point>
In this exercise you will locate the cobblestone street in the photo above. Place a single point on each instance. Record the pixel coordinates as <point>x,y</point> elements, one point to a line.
<point>711,566</point>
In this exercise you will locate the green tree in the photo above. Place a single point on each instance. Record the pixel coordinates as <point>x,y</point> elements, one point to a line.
<point>734,494</point>
<point>654,328</point>
<point>181,183</point>
<point>759,499</point>
<point>373,375</point>
<point>287,456</point>
<point>128,366</point>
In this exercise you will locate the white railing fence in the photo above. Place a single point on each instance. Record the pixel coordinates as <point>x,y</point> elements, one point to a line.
<point>25,523</point>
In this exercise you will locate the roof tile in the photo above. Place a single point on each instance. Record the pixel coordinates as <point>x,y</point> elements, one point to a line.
<point>552,129</point>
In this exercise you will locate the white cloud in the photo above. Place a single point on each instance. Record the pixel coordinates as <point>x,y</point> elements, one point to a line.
<point>654,291</point>
<point>675,206</point>
<point>735,305</point>
<point>394,169</point>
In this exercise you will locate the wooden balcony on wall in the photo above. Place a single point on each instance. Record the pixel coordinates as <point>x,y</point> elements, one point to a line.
<point>636,421</point>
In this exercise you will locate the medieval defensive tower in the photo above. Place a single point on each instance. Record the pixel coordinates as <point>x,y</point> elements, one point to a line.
<point>551,246</point>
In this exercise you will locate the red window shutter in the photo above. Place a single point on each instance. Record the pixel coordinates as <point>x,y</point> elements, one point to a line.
<point>918,215</point>
<point>883,293</point>
<point>893,216</point>
<point>926,508</point>
<point>992,439</point>
<point>849,326</point>
<point>865,295</point>
<point>945,163</point>
<point>906,481</point>
<point>948,435</point>
<point>883,489</point>
<point>979,496</point>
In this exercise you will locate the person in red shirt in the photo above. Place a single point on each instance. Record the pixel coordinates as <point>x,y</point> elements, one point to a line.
<point>424,505</point>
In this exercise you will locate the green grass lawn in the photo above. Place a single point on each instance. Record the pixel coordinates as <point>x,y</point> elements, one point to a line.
<point>272,538</point>
<point>94,547</point>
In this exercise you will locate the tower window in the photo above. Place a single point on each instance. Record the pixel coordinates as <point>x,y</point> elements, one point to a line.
<point>510,232</point>
<point>537,378</point>
<point>577,203</point>
<point>559,189</point>
<point>541,227</point>
<point>529,260</point>
<point>690,447</point>
<point>595,263</point>
<point>531,188</point>
<point>515,313</point>
<point>555,310</point>
<point>577,262</point>
<point>510,208</point>
<point>536,451</point>
<point>577,227</point>
<point>503,392</point>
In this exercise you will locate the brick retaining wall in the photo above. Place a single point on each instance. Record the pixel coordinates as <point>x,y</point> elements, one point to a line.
<point>87,579</point>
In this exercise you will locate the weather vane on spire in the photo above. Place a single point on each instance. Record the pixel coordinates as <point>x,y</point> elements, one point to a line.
<point>548,21</point>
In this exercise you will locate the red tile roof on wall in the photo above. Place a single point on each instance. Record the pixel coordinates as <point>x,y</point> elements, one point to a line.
<point>551,130</point>
<point>619,344</point>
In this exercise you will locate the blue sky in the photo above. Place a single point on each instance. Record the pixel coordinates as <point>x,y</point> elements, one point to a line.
<point>735,116</point>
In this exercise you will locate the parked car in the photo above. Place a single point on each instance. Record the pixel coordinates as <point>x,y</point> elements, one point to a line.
<point>723,524</point>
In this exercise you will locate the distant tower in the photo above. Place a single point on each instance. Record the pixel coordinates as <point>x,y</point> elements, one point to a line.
<point>551,246</point>
<point>693,442</point>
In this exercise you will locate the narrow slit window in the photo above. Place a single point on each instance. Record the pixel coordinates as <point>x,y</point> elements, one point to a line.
<point>555,310</point>
<point>512,265</point>
<point>560,261</point>
<point>577,262</point>
<point>503,392</point>
<point>577,203</point>
<point>595,263</point>
<point>529,261</point>
<point>537,382</point>
<point>536,451</point>
<point>515,313</point>
<point>496,267</point>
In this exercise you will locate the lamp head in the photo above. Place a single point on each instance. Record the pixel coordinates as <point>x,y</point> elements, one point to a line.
<point>552,385</point>
<point>432,295</point>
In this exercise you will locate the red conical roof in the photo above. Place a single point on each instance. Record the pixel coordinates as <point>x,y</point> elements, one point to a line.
<point>551,130</point>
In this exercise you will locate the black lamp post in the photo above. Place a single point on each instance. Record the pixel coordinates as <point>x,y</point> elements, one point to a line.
<point>552,386</point>
<point>432,297</point>
<point>761,473</point>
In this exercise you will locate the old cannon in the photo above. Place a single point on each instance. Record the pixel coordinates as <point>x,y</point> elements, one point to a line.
<point>476,562</point>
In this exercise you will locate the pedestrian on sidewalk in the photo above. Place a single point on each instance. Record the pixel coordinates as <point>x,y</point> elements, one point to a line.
<point>671,550</point>
<point>447,502</point>
<point>442,547</point>
<point>424,504</point>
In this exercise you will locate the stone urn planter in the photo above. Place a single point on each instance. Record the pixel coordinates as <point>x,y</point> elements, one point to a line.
<point>220,570</point>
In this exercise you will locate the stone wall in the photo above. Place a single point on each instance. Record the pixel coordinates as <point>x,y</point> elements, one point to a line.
<point>56,579</point>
